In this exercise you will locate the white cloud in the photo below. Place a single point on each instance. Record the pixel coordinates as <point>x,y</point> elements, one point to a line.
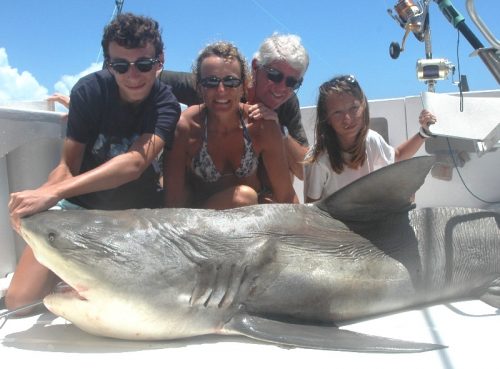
<point>15,86</point>
<point>66,83</point>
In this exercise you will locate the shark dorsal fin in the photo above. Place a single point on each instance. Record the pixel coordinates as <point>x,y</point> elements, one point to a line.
<point>382,192</point>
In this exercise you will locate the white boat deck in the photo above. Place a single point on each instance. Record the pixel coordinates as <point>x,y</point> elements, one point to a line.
<point>469,329</point>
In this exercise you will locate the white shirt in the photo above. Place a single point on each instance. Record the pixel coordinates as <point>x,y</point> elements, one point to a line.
<point>320,180</point>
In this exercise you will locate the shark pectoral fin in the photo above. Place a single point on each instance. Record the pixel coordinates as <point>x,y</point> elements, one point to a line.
<point>385,191</point>
<point>320,337</point>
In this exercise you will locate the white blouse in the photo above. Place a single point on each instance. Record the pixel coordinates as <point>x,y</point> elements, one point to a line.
<point>320,180</point>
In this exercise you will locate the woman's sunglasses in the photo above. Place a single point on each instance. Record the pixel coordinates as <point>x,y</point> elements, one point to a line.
<point>349,78</point>
<point>227,81</point>
<point>276,76</point>
<point>142,65</point>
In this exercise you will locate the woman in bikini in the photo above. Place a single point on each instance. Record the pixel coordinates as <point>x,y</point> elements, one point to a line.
<point>213,162</point>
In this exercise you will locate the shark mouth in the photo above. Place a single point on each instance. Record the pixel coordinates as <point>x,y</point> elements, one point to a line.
<point>63,288</point>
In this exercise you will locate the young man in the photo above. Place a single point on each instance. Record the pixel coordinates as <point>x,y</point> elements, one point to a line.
<point>119,120</point>
<point>278,68</point>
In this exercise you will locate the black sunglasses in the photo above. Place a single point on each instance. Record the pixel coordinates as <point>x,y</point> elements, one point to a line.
<point>227,81</point>
<point>349,78</point>
<point>276,76</point>
<point>143,65</point>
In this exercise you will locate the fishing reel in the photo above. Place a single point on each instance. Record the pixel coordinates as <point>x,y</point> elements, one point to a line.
<point>434,69</point>
<point>412,17</point>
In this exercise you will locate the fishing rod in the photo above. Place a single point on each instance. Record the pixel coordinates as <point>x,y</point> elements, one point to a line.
<point>59,288</point>
<point>489,55</point>
<point>6,314</point>
<point>116,12</point>
<point>119,6</point>
<point>413,16</point>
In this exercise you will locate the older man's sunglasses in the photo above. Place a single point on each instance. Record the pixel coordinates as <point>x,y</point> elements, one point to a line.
<point>276,76</point>
<point>142,65</point>
<point>227,81</point>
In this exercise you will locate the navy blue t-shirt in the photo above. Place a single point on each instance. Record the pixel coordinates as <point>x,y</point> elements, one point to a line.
<point>109,126</point>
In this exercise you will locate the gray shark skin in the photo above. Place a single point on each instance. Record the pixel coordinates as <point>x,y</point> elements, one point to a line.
<point>281,273</point>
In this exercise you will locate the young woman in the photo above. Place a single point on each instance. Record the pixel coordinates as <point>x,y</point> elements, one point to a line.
<point>346,148</point>
<point>213,163</point>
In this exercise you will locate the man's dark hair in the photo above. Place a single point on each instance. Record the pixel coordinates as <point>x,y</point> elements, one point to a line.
<point>132,31</point>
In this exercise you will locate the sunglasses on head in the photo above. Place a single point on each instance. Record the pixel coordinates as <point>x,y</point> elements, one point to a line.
<point>227,81</point>
<point>349,78</point>
<point>276,76</point>
<point>142,65</point>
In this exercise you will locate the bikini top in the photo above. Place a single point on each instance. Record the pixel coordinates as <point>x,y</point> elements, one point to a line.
<point>203,166</point>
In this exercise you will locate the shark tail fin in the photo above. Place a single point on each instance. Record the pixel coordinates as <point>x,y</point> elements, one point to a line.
<point>382,192</point>
<point>319,337</point>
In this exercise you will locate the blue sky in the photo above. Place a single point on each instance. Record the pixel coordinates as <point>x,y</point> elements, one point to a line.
<point>45,46</point>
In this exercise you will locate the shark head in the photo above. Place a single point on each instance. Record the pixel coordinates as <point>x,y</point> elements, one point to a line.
<point>60,249</point>
<point>103,258</point>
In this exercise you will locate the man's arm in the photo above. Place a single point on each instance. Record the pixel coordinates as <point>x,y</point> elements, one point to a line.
<point>296,143</point>
<point>288,116</point>
<point>64,182</point>
<point>276,164</point>
<point>183,86</point>
<point>174,167</point>
<point>295,155</point>
<point>117,171</point>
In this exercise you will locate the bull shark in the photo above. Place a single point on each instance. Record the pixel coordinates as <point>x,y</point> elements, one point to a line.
<point>288,274</point>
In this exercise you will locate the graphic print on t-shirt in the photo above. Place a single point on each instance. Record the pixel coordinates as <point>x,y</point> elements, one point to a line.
<point>106,148</point>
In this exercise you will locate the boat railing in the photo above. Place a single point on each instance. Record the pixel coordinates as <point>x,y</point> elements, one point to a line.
<point>489,55</point>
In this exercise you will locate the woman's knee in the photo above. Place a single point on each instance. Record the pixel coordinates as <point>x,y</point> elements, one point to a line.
<point>234,197</point>
<point>245,196</point>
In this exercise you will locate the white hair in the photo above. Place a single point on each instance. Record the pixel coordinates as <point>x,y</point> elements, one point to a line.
<point>283,47</point>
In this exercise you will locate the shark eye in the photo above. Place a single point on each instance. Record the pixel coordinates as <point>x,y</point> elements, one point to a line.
<point>51,237</point>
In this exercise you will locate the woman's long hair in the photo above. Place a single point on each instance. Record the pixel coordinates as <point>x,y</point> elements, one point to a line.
<point>326,137</point>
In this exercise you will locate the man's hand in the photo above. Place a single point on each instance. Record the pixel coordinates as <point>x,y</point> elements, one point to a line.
<point>260,111</point>
<point>63,100</point>
<point>22,204</point>
<point>60,98</point>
